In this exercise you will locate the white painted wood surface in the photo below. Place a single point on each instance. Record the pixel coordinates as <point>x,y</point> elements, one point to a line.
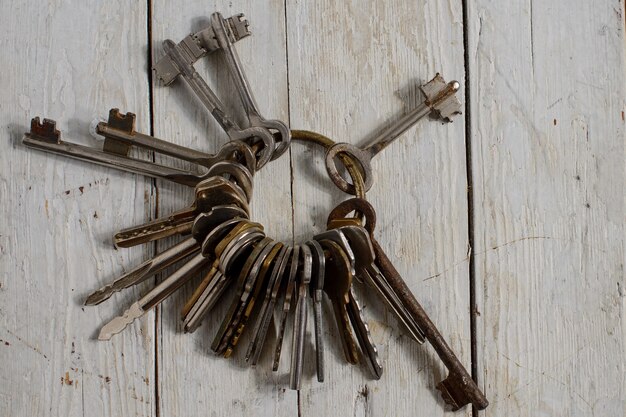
<point>546,127</point>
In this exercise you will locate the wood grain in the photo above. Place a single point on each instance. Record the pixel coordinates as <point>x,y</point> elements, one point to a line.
<point>547,99</point>
<point>355,67</point>
<point>68,61</point>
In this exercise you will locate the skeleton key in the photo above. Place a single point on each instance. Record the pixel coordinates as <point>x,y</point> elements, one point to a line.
<point>211,192</point>
<point>299,326</point>
<point>337,285</point>
<point>289,289</point>
<point>222,30</point>
<point>317,287</point>
<point>364,253</point>
<point>154,297</point>
<point>44,136</point>
<point>362,331</point>
<point>267,308</point>
<point>139,274</point>
<point>440,101</point>
<point>260,283</point>
<point>243,287</point>
<point>458,389</point>
<point>178,62</point>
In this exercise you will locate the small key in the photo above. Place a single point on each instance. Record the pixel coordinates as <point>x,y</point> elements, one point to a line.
<point>214,237</point>
<point>147,269</point>
<point>317,288</point>
<point>260,283</point>
<point>211,192</point>
<point>337,283</point>
<point>243,288</point>
<point>267,308</point>
<point>179,62</point>
<point>154,297</point>
<point>299,326</point>
<point>289,290</point>
<point>236,171</point>
<point>44,136</point>
<point>204,223</point>
<point>366,267</point>
<point>222,30</point>
<point>337,236</point>
<point>458,389</point>
<point>440,101</point>
<point>239,249</point>
<point>362,331</point>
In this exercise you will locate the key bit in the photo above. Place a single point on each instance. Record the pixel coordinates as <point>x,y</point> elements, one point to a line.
<point>45,131</point>
<point>121,322</point>
<point>124,122</point>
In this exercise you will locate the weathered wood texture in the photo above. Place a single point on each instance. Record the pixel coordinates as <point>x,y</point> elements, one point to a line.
<point>547,99</point>
<point>546,129</point>
<point>70,63</point>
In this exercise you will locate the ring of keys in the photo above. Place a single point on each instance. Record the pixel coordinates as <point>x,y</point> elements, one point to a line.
<point>225,248</point>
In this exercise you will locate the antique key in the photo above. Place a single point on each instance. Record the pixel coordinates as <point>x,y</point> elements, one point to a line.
<point>179,62</point>
<point>299,326</point>
<point>211,192</point>
<point>440,100</point>
<point>221,29</point>
<point>317,288</point>
<point>458,389</point>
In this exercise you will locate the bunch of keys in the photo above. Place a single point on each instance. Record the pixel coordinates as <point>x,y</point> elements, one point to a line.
<point>224,248</point>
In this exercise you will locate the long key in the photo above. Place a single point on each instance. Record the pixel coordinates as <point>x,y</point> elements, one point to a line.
<point>366,267</point>
<point>362,331</point>
<point>317,288</point>
<point>221,29</point>
<point>44,136</point>
<point>267,306</point>
<point>458,389</point>
<point>150,267</point>
<point>440,100</point>
<point>154,297</point>
<point>211,192</point>
<point>178,62</point>
<point>337,287</point>
<point>299,326</point>
<point>289,289</point>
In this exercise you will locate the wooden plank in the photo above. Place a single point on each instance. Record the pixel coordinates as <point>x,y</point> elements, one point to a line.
<point>547,100</point>
<point>354,67</point>
<point>69,62</point>
<point>192,381</point>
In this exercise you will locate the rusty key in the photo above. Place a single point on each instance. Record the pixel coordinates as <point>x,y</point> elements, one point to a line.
<point>458,389</point>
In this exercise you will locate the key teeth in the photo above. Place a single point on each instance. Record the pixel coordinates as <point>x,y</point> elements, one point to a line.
<point>442,95</point>
<point>46,131</point>
<point>239,25</point>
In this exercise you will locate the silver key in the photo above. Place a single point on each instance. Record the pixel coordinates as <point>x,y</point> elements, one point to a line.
<point>154,297</point>
<point>221,29</point>
<point>289,290</point>
<point>317,289</point>
<point>337,236</point>
<point>440,101</point>
<point>362,331</point>
<point>147,269</point>
<point>217,283</point>
<point>360,243</point>
<point>178,62</point>
<point>299,326</point>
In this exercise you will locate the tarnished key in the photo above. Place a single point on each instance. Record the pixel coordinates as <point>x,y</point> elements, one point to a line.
<point>289,290</point>
<point>317,288</point>
<point>44,136</point>
<point>211,192</point>
<point>179,62</point>
<point>440,100</point>
<point>337,236</point>
<point>299,325</point>
<point>147,269</point>
<point>154,297</point>
<point>366,267</point>
<point>263,275</point>
<point>204,223</point>
<point>337,285</point>
<point>215,236</point>
<point>236,171</point>
<point>267,306</point>
<point>458,389</point>
<point>362,331</point>
<point>222,29</point>
<point>221,338</point>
